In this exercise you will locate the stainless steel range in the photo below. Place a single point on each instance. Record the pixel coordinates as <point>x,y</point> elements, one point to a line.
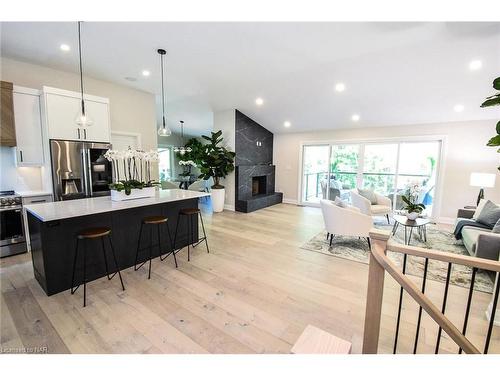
<point>12,240</point>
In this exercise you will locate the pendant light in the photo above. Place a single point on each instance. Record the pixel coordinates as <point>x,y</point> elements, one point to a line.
<point>182,150</point>
<point>82,119</point>
<point>163,130</point>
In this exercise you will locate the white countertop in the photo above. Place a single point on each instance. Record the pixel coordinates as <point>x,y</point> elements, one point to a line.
<point>33,193</point>
<point>89,206</point>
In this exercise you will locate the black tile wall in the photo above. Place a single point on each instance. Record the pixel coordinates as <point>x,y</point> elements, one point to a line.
<point>253,142</point>
<point>254,157</point>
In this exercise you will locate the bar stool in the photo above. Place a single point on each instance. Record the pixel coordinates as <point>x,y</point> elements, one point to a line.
<point>152,221</point>
<point>90,234</point>
<point>190,213</point>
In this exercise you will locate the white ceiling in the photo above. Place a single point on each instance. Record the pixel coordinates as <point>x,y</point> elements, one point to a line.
<point>395,73</point>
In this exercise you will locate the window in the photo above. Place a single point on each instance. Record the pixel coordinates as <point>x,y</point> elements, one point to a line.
<point>379,167</point>
<point>165,163</point>
<point>386,167</point>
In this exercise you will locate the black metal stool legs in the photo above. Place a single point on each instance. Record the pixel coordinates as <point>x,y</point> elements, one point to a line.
<point>172,245</point>
<point>204,238</point>
<point>116,263</point>
<point>84,278</point>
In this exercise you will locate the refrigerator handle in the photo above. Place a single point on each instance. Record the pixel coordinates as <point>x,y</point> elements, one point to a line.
<point>89,173</point>
<point>85,173</point>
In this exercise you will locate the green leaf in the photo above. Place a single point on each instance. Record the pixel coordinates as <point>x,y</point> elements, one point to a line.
<point>496,83</point>
<point>406,200</point>
<point>491,102</point>
<point>495,141</point>
<point>498,127</point>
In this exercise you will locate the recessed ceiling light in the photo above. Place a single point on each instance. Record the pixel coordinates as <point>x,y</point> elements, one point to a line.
<point>458,108</point>
<point>64,47</point>
<point>287,124</point>
<point>259,101</point>
<point>475,65</point>
<point>355,118</point>
<point>146,73</point>
<point>339,87</point>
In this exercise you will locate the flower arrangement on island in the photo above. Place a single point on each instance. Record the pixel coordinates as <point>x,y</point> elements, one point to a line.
<point>131,169</point>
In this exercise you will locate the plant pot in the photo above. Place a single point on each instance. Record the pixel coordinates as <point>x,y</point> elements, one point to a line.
<point>134,194</point>
<point>412,215</point>
<point>218,196</point>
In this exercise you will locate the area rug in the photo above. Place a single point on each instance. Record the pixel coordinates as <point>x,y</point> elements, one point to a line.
<point>357,250</point>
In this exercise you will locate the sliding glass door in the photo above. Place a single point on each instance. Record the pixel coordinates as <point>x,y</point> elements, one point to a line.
<point>389,168</point>
<point>379,167</point>
<point>315,173</point>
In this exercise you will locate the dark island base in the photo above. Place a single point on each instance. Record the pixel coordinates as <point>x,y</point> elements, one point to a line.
<point>53,243</point>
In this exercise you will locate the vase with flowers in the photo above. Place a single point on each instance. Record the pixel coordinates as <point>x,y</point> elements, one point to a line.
<point>412,208</point>
<point>132,174</point>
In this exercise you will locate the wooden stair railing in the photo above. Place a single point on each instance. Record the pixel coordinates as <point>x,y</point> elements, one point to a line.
<point>380,263</point>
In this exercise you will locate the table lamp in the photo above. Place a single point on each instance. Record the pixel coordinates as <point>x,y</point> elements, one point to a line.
<point>482,180</point>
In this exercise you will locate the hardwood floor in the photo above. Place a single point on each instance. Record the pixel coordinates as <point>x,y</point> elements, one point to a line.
<point>254,293</point>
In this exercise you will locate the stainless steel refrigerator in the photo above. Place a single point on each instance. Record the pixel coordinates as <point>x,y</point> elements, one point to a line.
<point>79,169</point>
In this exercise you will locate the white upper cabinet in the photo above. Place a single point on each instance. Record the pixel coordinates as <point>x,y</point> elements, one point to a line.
<point>27,115</point>
<point>62,108</point>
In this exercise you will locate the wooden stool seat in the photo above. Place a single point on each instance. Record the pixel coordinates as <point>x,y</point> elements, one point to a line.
<point>155,219</point>
<point>93,233</point>
<point>189,211</point>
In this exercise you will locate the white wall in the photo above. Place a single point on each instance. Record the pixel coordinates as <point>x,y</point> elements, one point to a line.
<point>130,110</point>
<point>464,152</point>
<point>226,121</point>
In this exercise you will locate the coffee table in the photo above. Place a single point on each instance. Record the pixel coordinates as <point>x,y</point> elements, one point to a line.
<point>420,223</point>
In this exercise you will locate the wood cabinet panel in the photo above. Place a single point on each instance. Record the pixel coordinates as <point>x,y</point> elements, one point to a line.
<point>7,125</point>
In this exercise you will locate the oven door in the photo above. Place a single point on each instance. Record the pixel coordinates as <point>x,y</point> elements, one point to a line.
<point>11,226</point>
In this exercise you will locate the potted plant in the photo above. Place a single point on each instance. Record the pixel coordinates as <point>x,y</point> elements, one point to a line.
<point>412,208</point>
<point>491,101</point>
<point>217,162</point>
<point>134,180</point>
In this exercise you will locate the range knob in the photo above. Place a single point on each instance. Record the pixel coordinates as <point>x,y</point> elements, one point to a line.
<point>3,202</point>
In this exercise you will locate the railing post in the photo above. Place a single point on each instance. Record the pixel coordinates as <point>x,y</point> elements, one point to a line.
<point>375,293</point>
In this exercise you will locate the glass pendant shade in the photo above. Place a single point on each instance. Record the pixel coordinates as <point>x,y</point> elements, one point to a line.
<point>83,120</point>
<point>164,132</point>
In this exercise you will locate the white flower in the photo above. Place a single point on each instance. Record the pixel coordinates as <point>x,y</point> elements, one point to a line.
<point>187,162</point>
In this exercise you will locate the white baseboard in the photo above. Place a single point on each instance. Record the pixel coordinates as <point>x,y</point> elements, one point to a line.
<point>290,201</point>
<point>445,220</point>
<point>229,207</point>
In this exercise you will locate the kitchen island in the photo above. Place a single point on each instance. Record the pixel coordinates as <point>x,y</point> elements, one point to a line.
<point>53,228</point>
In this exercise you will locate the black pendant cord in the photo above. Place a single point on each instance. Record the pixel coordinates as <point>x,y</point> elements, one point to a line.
<point>81,65</point>
<point>162,91</point>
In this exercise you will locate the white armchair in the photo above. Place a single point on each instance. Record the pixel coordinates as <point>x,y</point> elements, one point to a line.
<point>347,221</point>
<point>382,208</point>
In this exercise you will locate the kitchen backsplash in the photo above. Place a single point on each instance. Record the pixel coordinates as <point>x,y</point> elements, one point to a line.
<point>13,178</point>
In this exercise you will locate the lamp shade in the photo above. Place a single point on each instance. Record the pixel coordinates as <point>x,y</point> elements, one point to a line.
<point>484,180</point>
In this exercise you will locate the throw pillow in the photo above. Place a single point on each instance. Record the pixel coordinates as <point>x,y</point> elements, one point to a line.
<point>368,194</point>
<point>489,215</point>
<point>496,228</point>
<point>479,208</point>
<point>339,202</point>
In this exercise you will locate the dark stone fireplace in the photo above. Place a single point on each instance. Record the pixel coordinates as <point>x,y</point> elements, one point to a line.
<point>255,172</point>
<point>259,185</point>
